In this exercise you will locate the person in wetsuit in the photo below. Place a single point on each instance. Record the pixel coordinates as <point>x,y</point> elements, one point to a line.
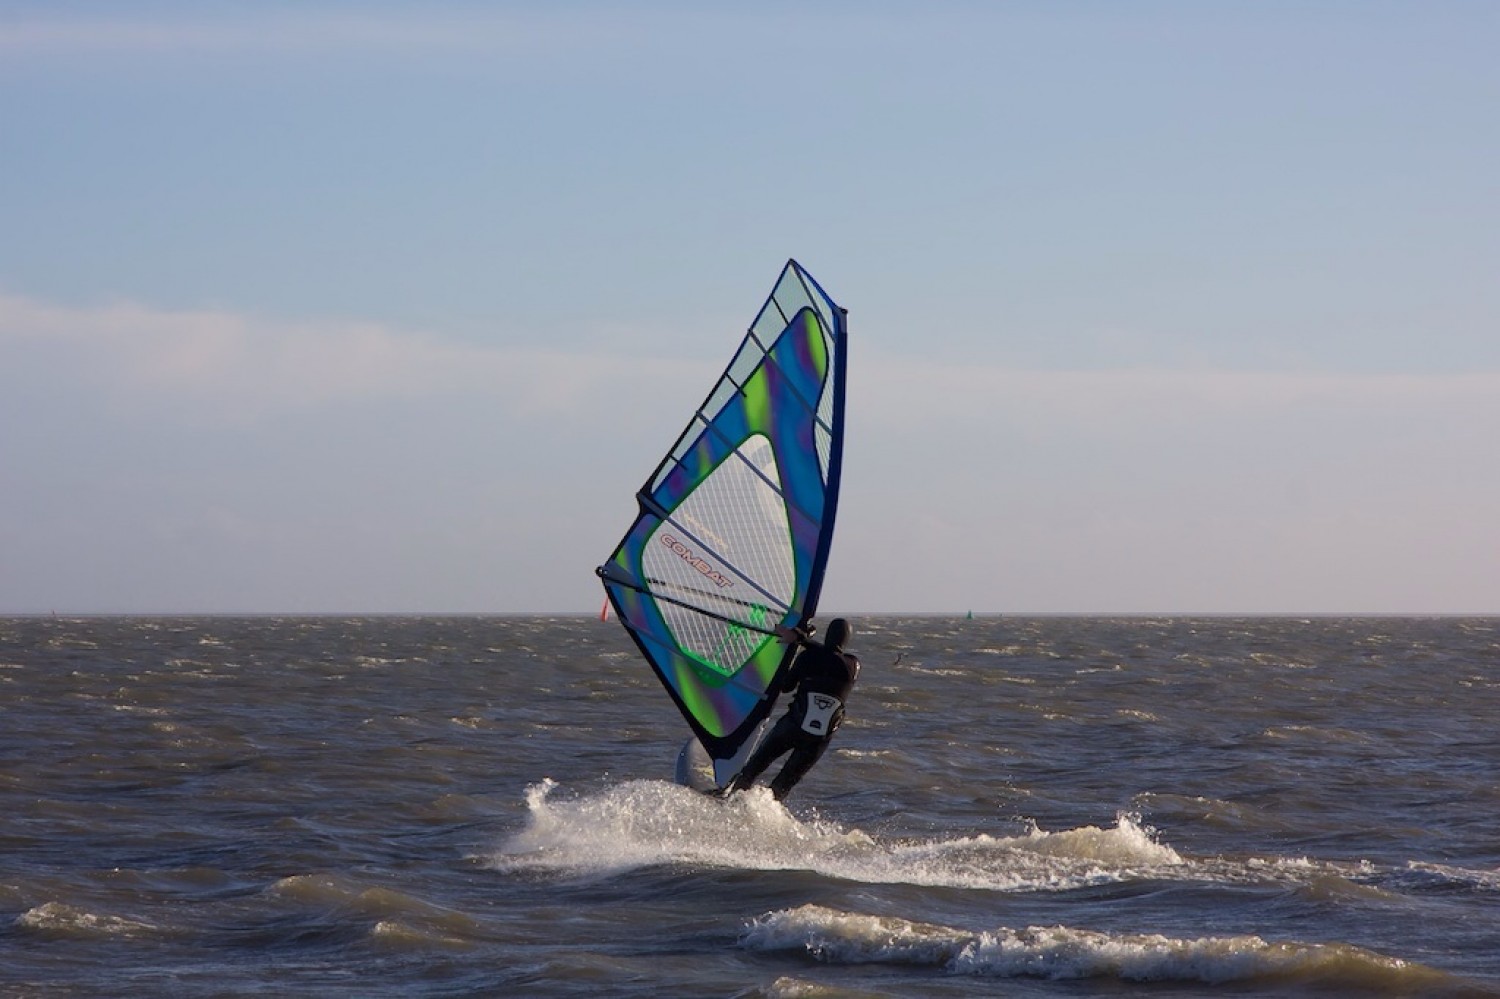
<point>823,675</point>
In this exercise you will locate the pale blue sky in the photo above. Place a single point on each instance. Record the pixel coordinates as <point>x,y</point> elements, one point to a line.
<point>1154,306</point>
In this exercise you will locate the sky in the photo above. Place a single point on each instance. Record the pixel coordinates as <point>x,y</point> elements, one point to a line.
<point>1155,307</point>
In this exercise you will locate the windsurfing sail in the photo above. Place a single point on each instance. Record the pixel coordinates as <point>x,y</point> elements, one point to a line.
<point>735,524</point>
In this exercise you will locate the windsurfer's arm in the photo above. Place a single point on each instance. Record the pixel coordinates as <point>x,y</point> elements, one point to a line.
<point>794,637</point>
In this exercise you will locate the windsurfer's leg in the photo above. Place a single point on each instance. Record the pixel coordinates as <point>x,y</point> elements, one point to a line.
<point>778,742</point>
<point>797,765</point>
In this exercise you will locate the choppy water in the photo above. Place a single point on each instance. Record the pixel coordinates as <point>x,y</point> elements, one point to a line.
<point>1021,807</point>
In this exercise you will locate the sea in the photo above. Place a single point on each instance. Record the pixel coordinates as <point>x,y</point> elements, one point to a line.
<point>484,806</point>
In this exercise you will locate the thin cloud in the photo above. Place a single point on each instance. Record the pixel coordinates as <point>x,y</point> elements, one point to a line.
<point>241,366</point>
<point>1126,490</point>
<point>249,365</point>
<point>902,389</point>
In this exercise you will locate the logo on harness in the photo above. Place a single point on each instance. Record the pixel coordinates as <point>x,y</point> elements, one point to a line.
<point>820,709</point>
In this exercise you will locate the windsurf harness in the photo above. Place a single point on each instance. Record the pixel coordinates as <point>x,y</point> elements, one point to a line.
<point>734,526</point>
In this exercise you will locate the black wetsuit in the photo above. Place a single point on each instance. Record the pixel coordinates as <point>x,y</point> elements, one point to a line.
<point>823,678</point>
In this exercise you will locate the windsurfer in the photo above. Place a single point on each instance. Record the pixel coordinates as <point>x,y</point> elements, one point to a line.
<point>823,674</point>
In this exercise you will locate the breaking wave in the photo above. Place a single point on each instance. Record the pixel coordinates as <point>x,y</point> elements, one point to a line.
<point>1061,952</point>
<point>647,823</point>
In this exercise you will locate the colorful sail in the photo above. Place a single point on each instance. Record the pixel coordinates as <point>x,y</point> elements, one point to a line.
<point>734,528</point>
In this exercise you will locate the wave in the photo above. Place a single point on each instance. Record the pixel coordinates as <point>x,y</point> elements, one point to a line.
<point>55,919</point>
<point>650,823</point>
<point>399,936</point>
<point>1444,875</point>
<point>395,914</point>
<point>1061,952</point>
<point>642,824</point>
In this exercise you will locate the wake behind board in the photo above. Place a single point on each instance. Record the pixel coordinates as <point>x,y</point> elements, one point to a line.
<point>734,526</point>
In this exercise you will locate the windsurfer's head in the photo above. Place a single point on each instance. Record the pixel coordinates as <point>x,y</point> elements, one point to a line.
<point>839,633</point>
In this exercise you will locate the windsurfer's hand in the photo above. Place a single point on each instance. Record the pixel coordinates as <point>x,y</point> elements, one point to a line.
<point>793,636</point>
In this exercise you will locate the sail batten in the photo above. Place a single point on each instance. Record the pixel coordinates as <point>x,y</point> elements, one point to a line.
<point>734,524</point>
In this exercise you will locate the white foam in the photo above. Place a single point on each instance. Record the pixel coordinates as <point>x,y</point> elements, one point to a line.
<point>1061,952</point>
<point>786,987</point>
<point>1489,880</point>
<point>646,823</point>
<point>401,936</point>
<point>853,938</point>
<point>65,920</point>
